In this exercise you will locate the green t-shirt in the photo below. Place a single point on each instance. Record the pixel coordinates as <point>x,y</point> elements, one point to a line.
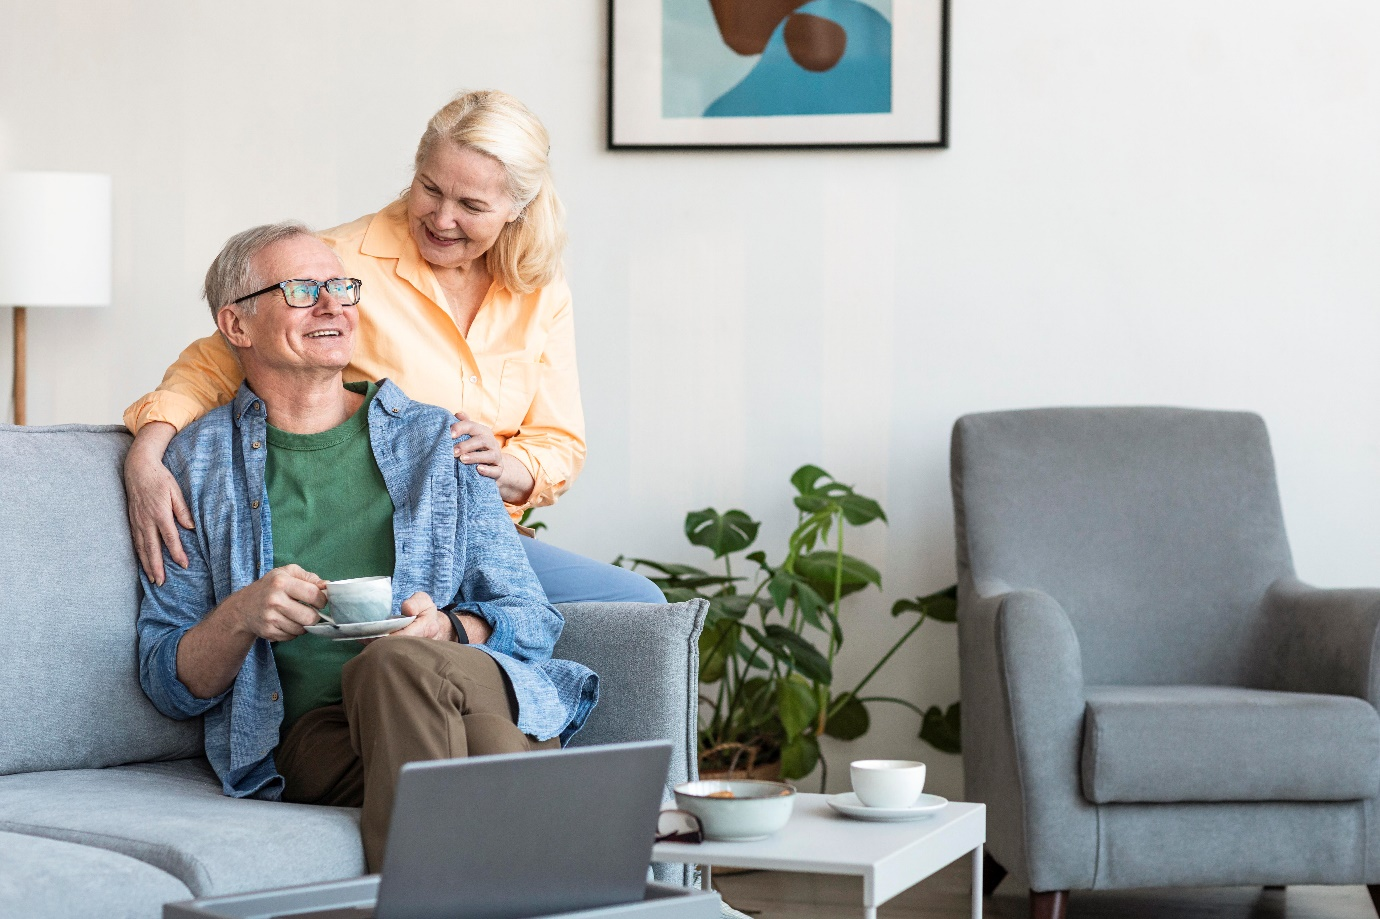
<point>331,514</point>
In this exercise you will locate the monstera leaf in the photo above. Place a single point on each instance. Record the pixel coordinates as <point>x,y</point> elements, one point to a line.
<point>941,729</point>
<point>849,721</point>
<point>795,703</point>
<point>799,756</point>
<point>941,606</point>
<point>819,570</point>
<point>721,534</point>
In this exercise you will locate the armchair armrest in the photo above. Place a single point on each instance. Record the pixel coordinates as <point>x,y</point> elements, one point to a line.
<point>1323,640</point>
<point>1042,671</point>
<point>1023,707</point>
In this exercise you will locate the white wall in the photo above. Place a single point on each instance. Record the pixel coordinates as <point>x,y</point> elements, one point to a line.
<point>1170,202</point>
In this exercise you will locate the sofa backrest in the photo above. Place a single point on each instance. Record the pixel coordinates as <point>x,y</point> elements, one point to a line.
<point>69,672</point>
<point>1157,529</point>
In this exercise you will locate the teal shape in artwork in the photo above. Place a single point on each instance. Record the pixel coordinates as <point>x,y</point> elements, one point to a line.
<point>859,83</point>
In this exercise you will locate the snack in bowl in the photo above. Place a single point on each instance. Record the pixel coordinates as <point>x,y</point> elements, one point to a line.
<point>737,810</point>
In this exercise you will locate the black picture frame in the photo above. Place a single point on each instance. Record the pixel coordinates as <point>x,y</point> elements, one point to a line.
<point>634,124</point>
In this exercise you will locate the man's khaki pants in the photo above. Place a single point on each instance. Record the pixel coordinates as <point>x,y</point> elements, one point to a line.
<point>403,700</point>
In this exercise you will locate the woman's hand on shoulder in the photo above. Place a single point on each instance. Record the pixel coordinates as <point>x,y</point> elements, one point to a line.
<point>480,449</point>
<point>154,501</point>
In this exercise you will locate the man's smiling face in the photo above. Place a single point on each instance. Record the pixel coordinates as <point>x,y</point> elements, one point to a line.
<point>282,339</point>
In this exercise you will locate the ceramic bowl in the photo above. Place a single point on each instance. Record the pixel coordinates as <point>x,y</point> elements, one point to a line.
<point>756,810</point>
<point>360,599</point>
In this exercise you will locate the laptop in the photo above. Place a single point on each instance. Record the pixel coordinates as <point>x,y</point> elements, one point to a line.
<point>519,835</point>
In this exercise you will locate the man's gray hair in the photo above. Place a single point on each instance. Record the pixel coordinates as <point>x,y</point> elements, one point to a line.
<point>232,276</point>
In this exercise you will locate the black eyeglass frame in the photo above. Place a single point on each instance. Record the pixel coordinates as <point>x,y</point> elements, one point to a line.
<point>316,294</point>
<point>693,834</point>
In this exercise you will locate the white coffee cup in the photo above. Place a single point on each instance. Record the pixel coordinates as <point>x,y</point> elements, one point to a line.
<point>360,599</point>
<point>887,782</point>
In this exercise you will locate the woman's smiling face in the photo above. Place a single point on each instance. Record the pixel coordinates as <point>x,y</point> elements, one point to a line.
<point>457,205</point>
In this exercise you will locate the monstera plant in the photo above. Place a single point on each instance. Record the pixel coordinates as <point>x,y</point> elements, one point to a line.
<point>774,629</point>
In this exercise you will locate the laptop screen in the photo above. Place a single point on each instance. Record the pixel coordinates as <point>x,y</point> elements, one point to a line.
<point>521,835</point>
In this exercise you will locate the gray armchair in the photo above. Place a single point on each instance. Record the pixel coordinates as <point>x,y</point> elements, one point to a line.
<point>1150,697</point>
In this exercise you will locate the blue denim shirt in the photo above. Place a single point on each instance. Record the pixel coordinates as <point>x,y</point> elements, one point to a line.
<point>454,541</point>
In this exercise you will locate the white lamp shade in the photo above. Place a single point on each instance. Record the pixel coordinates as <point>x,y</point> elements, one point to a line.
<point>55,234</point>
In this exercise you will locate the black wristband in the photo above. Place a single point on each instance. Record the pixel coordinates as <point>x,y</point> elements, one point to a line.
<point>460,634</point>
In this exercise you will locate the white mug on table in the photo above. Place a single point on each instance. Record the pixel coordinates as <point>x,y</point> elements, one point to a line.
<point>887,782</point>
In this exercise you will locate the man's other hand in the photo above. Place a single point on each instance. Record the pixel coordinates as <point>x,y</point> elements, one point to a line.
<point>280,605</point>
<point>434,624</point>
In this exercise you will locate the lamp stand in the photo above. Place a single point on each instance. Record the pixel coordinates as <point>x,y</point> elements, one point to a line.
<point>21,334</point>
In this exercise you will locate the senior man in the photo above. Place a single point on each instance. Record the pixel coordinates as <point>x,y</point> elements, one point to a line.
<point>304,479</point>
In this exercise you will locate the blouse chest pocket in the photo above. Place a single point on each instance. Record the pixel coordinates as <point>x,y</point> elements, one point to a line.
<point>517,388</point>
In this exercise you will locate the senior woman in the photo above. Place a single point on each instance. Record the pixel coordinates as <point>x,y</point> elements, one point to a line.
<point>464,307</point>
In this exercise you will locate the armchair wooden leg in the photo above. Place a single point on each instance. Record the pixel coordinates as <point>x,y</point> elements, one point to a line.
<point>1374,896</point>
<point>992,874</point>
<point>1050,904</point>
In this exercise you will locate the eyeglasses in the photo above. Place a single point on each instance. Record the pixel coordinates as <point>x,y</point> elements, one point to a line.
<point>678,826</point>
<point>302,293</point>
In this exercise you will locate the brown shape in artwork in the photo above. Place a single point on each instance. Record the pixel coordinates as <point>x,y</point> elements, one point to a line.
<point>815,43</point>
<point>746,25</point>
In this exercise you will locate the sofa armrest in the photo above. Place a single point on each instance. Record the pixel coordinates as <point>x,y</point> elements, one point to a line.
<point>1323,640</point>
<point>1041,667</point>
<point>647,656</point>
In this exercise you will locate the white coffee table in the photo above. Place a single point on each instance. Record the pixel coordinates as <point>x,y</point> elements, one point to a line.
<point>889,857</point>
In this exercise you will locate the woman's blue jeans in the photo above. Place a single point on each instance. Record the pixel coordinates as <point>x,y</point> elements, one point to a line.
<point>571,578</point>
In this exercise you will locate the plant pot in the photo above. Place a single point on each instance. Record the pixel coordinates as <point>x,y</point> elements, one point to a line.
<point>767,772</point>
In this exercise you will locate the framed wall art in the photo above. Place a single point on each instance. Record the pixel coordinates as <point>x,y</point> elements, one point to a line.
<point>778,73</point>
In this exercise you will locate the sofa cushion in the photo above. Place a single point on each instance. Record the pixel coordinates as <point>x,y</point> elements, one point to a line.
<point>69,673</point>
<point>174,817</point>
<point>48,879</point>
<point>1221,743</point>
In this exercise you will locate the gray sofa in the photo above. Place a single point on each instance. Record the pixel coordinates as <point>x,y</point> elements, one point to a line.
<point>1150,697</point>
<point>107,808</point>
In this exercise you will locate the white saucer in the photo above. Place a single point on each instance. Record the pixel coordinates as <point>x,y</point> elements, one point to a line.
<point>354,631</point>
<point>849,805</point>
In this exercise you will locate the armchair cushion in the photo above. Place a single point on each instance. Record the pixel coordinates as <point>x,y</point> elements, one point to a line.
<point>1220,743</point>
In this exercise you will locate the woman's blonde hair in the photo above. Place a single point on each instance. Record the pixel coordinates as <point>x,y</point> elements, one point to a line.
<point>527,254</point>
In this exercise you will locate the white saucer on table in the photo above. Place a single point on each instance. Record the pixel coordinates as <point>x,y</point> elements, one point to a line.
<point>849,805</point>
<point>354,631</point>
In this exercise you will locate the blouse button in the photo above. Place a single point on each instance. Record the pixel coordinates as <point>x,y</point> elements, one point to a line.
<point>254,504</point>
<point>474,379</point>
<point>255,445</point>
<point>274,697</point>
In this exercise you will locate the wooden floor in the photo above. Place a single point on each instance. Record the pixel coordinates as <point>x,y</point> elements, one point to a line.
<point>776,895</point>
